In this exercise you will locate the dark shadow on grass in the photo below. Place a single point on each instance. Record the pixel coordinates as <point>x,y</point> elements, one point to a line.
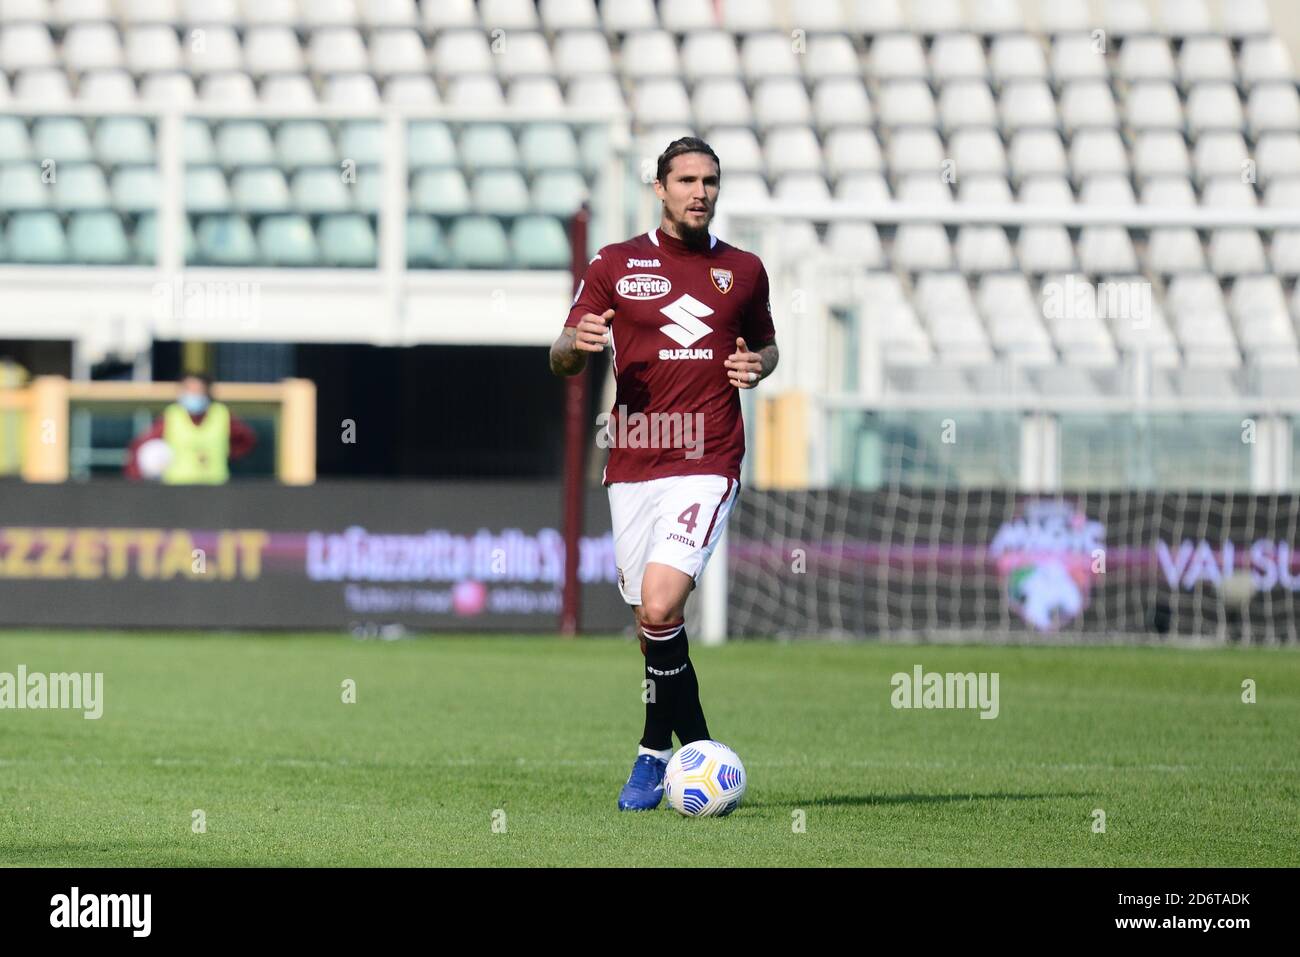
<point>857,800</point>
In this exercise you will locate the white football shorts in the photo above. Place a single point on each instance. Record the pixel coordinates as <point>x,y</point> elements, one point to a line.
<point>675,521</point>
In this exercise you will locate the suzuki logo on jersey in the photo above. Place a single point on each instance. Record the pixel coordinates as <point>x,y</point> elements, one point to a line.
<point>643,264</point>
<point>643,286</point>
<point>686,328</point>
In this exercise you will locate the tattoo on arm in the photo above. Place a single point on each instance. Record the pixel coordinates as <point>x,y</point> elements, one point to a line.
<point>769,356</point>
<point>565,359</point>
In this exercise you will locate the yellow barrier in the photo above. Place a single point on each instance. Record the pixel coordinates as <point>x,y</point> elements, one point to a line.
<point>44,407</point>
<point>781,441</point>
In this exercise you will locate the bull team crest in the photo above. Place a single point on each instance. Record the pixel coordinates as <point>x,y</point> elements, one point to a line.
<point>721,280</point>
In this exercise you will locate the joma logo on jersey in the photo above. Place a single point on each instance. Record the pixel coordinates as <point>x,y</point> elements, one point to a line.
<point>686,329</point>
<point>643,286</point>
<point>643,264</point>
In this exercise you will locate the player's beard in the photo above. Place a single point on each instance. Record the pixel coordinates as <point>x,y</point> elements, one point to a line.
<point>695,237</point>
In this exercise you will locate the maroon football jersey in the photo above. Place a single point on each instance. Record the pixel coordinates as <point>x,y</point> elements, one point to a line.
<point>677,313</point>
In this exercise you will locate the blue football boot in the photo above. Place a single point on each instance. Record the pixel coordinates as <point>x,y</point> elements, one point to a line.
<point>645,785</point>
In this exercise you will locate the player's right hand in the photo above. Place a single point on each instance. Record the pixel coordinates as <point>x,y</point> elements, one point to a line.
<point>593,331</point>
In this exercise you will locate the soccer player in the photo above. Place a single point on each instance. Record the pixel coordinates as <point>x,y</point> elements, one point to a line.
<point>688,323</point>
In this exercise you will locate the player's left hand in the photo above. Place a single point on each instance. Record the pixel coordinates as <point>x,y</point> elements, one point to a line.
<point>744,368</point>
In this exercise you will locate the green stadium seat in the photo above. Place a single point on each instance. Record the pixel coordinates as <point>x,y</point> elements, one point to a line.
<point>301,143</point>
<point>120,140</point>
<point>145,240</point>
<point>98,238</point>
<point>368,189</point>
<point>261,190</point>
<point>501,192</point>
<point>287,241</point>
<point>539,242</point>
<point>206,191</point>
<point>62,139</point>
<point>321,190</point>
<point>80,186</point>
<point>594,148</point>
<point>362,141</point>
<point>429,144</point>
<point>479,242</point>
<point>426,247</point>
<point>347,240</point>
<point>442,192</point>
<point>36,237</point>
<point>21,187</point>
<point>197,145</point>
<point>225,240</point>
<point>244,143</point>
<point>548,146</point>
<point>15,143</point>
<point>488,146</point>
<point>136,189</point>
<point>559,192</point>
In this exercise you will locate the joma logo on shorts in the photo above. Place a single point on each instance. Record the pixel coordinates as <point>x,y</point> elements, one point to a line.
<point>643,286</point>
<point>673,536</point>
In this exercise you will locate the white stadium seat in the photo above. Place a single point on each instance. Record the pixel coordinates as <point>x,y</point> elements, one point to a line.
<point>1017,57</point>
<point>936,16</point>
<point>768,54</point>
<point>1184,17</point>
<point>1064,16</point>
<point>915,150</point>
<point>1273,107</point>
<point>710,53</point>
<point>957,56</point>
<point>780,102</point>
<point>906,103</point>
<point>1088,103</point>
<point>560,15</point>
<point>1265,60</point>
<point>1206,60</point>
<point>629,16</point>
<point>1125,17</point>
<point>1037,153</point>
<point>270,49</point>
<point>830,55</point>
<point>652,53</point>
<point>687,16</point>
<point>1153,105</point>
<point>721,102</point>
<point>897,56</point>
<point>1146,58</point>
<point>1076,57</point>
<point>509,14</point>
<point>582,53</point>
<point>996,16</point>
<point>841,101</point>
<point>1160,153</point>
<point>852,150</point>
<point>1246,18</point>
<point>91,46</point>
<point>792,149</point>
<point>1213,106</point>
<point>965,103</point>
<point>1026,105</point>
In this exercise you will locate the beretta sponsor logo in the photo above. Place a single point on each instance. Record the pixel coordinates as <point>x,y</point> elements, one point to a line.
<point>643,286</point>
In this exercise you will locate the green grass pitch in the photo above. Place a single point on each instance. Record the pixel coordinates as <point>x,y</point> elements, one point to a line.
<point>446,732</point>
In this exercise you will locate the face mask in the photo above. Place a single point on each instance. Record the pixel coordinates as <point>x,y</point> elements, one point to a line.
<point>194,403</point>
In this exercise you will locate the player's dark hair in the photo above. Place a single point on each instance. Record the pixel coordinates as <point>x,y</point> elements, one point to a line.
<point>687,144</point>
<point>201,376</point>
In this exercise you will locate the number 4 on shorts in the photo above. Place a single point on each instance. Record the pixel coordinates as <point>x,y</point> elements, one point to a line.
<point>690,518</point>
